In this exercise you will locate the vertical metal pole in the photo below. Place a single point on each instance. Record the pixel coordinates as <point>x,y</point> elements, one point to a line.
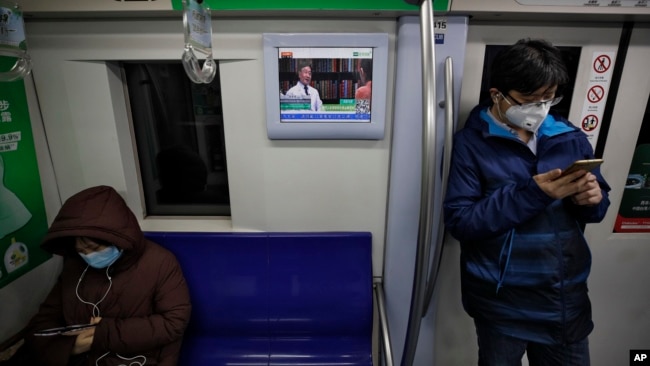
<point>448,105</point>
<point>429,160</point>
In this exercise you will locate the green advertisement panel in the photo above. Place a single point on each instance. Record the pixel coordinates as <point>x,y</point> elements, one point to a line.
<point>377,5</point>
<point>23,222</point>
<point>634,212</point>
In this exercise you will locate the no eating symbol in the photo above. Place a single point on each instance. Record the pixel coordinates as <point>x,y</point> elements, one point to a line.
<point>602,63</point>
<point>590,122</point>
<point>596,93</point>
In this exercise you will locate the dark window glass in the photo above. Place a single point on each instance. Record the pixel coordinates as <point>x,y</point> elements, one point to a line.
<point>178,127</point>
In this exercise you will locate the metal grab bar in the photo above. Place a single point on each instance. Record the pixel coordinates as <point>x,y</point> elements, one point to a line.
<point>448,105</point>
<point>429,163</point>
<point>383,323</point>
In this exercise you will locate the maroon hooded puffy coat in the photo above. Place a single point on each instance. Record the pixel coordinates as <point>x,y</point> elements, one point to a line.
<point>147,307</point>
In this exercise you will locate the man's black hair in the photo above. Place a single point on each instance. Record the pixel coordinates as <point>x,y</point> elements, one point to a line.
<point>301,63</point>
<point>527,66</point>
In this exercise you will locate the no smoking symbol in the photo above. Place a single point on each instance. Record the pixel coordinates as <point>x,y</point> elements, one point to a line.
<point>596,94</point>
<point>589,123</point>
<point>602,64</point>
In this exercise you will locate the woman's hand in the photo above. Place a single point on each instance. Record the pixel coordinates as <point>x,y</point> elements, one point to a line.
<point>84,338</point>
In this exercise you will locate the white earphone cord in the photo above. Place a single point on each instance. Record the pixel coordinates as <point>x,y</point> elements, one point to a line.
<point>134,363</point>
<point>96,314</point>
<point>95,306</point>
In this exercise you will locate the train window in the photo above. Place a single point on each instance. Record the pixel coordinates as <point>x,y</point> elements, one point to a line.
<point>178,128</point>
<point>571,56</point>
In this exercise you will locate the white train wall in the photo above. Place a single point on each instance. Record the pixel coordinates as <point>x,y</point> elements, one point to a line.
<point>274,185</point>
<point>82,131</point>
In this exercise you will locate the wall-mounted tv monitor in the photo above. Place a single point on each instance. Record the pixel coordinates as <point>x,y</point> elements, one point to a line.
<point>326,86</point>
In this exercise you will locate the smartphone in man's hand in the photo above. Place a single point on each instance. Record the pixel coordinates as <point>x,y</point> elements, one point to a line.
<point>586,165</point>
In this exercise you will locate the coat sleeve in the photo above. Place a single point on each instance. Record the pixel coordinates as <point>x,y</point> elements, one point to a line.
<point>55,350</point>
<point>166,324</point>
<point>472,213</point>
<point>590,214</point>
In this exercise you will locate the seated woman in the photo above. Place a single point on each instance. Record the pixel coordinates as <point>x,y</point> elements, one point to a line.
<point>130,288</point>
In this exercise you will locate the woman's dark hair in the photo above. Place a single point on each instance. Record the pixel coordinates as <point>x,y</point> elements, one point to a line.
<point>366,65</point>
<point>527,66</point>
<point>69,243</point>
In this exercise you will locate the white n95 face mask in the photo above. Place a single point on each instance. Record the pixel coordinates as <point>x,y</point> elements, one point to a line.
<point>528,116</point>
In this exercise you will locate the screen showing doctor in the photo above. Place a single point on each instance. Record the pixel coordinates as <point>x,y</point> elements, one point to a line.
<point>303,90</point>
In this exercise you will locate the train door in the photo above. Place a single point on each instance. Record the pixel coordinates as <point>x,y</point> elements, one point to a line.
<point>591,52</point>
<point>412,334</point>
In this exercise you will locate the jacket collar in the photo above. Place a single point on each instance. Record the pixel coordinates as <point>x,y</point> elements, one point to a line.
<point>553,124</point>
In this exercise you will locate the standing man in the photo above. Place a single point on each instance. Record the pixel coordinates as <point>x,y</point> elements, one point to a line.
<point>524,259</point>
<point>303,89</point>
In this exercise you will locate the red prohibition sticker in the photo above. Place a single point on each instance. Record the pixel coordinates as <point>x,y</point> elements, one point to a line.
<point>596,94</point>
<point>590,122</point>
<point>602,63</point>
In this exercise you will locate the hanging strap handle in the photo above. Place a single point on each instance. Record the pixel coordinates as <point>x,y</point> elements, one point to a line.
<point>12,41</point>
<point>198,39</point>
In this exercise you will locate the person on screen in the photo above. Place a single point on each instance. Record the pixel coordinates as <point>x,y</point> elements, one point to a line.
<point>363,95</point>
<point>303,89</point>
<point>131,288</point>
<point>524,259</point>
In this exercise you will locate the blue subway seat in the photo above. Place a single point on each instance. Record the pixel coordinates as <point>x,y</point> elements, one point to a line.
<point>276,298</point>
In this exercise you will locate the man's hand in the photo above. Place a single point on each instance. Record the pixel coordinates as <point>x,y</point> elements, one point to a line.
<point>560,187</point>
<point>589,193</point>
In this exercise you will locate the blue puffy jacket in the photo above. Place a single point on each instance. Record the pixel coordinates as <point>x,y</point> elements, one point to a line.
<point>524,259</point>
